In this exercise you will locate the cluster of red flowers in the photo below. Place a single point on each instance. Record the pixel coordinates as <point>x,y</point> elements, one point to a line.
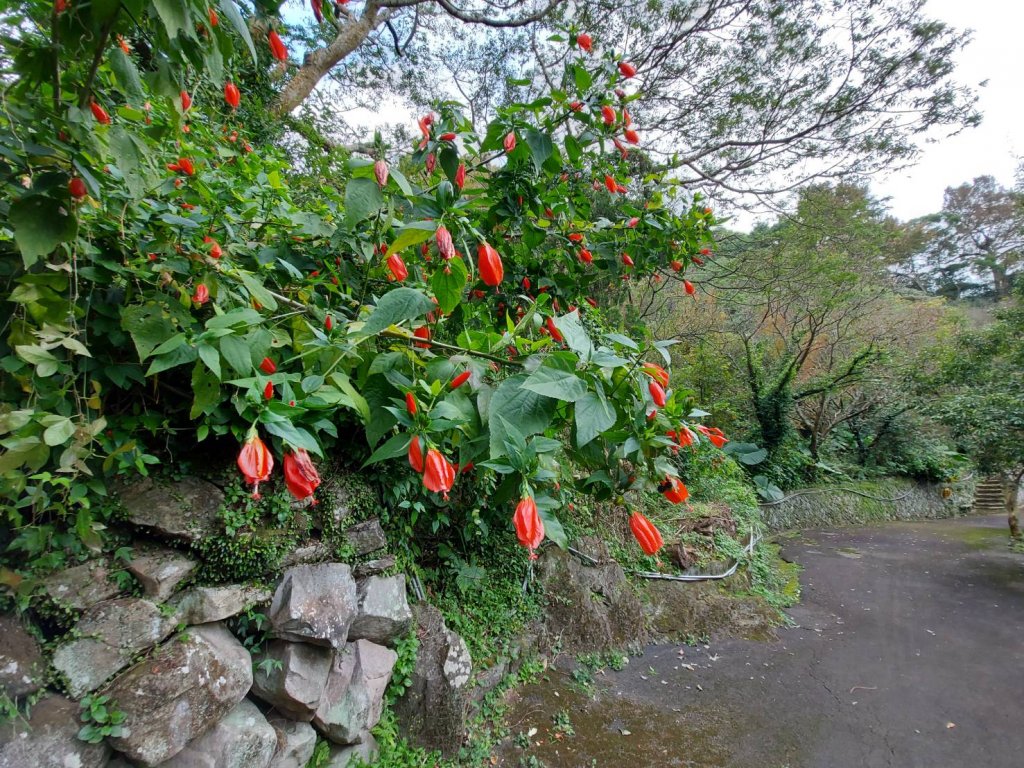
<point>256,463</point>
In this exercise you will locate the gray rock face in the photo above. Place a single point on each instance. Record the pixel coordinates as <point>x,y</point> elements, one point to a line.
<point>203,605</point>
<point>49,739</point>
<point>295,743</point>
<point>315,552</point>
<point>366,537</point>
<point>180,692</point>
<point>432,712</point>
<point>374,567</point>
<point>21,661</point>
<point>160,571</point>
<point>384,614</point>
<point>589,608</point>
<point>82,586</point>
<point>353,698</point>
<point>109,635</point>
<point>296,688</point>
<point>365,751</point>
<point>243,739</point>
<point>185,509</point>
<point>315,604</point>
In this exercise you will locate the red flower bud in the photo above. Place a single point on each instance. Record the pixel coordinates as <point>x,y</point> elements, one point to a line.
<point>528,525</point>
<point>328,323</point>
<point>300,475</point>
<point>438,473</point>
<point>202,294</point>
<point>610,184</point>
<point>553,330</point>
<point>489,264</point>
<point>268,366</point>
<point>510,141</point>
<point>607,114</point>
<point>99,113</point>
<point>714,434</point>
<point>186,101</point>
<point>431,163</point>
<point>416,454</point>
<point>59,6</point>
<point>459,380</point>
<point>674,490</point>
<point>232,95</point>
<point>647,535</point>
<point>268,391</point>
<point>277,47</point>
<point>423,332</point>
<point>633,222</point>
<point>398,269</point>
<point>410,403</point>
<point>656,372</point>
<point>632,136</point>
<point>460,176</point>
<point>575,237</point>
<point>627,260</point>
<point>318,10</point>
<point>676,265</point>
<point>627,69</point>
<point>576,106</point>
<point>697,260</point>
<point>380,172</point>
<point>216,251</point>
<point>590,301</point>
<point>212,15</point>
<point>689,288</point>
<point>584,42</point>
<point>447,136</point>
<point>657,393</point>
<point>445,247</point>
<point>77,188</point>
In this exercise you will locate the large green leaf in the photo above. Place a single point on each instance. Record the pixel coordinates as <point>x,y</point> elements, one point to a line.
<point>174,15</point>
<point>392,448</point>
<point>540,147</point>
<point>363,198</point>
<point>149,325</point>
<point>127,74</point>
<point>128,159</point>
<point>594,415</point>
<point>553,528</point>
<point>40,224</point>
<point>232,14</point>
<point>396,306</point>
<point>575,334</point>
<point>556,383</point>
<point>237,353</point>
<point>206,391</point>
<point>412,234</point>
<point>448,283</point>
<point>529,411</point>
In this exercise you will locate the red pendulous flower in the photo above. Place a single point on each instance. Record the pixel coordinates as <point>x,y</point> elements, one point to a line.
<point>438,473</point>
<point>510,141</point>
<point>647,535</point>
<point>586,256</point>
<point>584,42</point>
<point>627,260</point>
<point>277,46</point>
<point>268,366</point>
<point>268,391</point>
<point>575,237</point>
<point>631,136</point>
<point>674,490</point>
<point>300,475</point>
<point>77,188</point>
<point>610,184</point>
<point>657,393</point>
<point>529,527</point>
<point>255,462</point>
<point>397,267</point>
<point>460,176</point>
<point>607,114</point>
<point>423,332</point>
<point>186,101</point>
<point>380,172</point>
<point>714,434</point>
<point>410,403</point>
<point>232,95</point>
<point>99,113</point>
<point>459,380</point>
<point>416,454</point>
<point>489,264</point>
<point>627,69</point>
<point>202,294</point>
<point>445,247</point>
<point>689,288</point>
<point>553,330</point>
<point>656,372</point>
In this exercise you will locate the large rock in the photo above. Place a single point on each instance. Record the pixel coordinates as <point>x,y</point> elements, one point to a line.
<point>180,692</point>
<point>203,605</point>
<point>589,608</point>
<point>49,739</point>
<point>82,586</point>
<point>160,571</point>
<point>363,753</point>
<point>107,637</point>
<point>314,552</point>
<point>242,739</point>
<point>366,537</point>
<point>384,615</point>
<point>184,509</point>
<point>315,604</point>
<point>21,662</point>
<point>295,742</point>
<point>354,695</point>
<point>374,567</point>
<point>432,711</point>
<point>295,683</point>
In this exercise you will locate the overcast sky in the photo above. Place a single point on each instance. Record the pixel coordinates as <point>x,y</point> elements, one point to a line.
<point>997,55</point>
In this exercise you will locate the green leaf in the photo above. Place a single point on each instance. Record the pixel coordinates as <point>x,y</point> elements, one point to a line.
<point>232,14</point>
<point>149,326</point>
<point>448,286</point>
<point>181,355</point>
<point>296,437</point>
<point>40,224</point>
<point>237,353</point>
<point>206,391</point>
<point>397,306</point>
<point>529,411</point>
<point>174,15</point>
<point>594,415</point>
<point>59,432</point>
<point>127,74</point>
<point>540,147</point>
<point>573,149</point>
<point>211,357</point>
<point>393,447</point>
<point>559,384</point>
<point>257,291</point>
<point>412,234</point>
<point>575,335</point>
<point>754,457</point>
<point>583,78</point>
<point>553,528</point>
<point>363,198</point>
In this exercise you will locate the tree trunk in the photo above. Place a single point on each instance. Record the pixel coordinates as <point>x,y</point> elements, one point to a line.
<point>1011,485</point>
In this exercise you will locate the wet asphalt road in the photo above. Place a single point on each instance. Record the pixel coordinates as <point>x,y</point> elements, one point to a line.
<point>907,650</point>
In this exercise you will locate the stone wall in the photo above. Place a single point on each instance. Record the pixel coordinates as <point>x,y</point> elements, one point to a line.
<point>192,694</point>
<point>860,502</point>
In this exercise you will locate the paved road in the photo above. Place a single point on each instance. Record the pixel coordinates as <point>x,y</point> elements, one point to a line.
<point>907,651</point>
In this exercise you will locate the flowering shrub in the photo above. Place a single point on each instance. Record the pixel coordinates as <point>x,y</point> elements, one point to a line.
<point>170,280</point>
